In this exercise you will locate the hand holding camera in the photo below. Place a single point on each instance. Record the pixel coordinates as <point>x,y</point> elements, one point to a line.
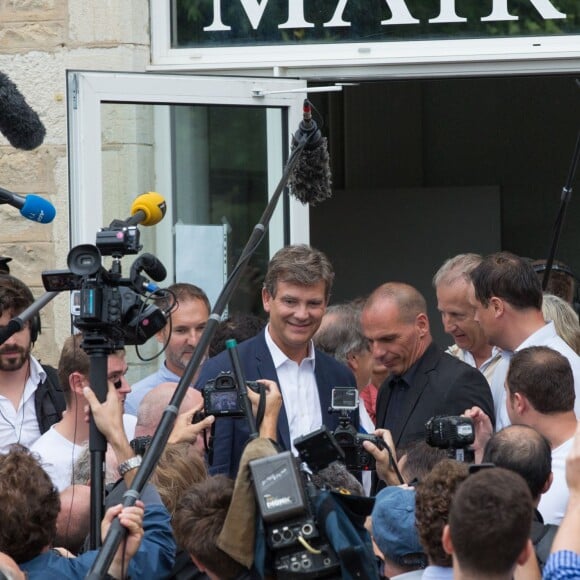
<point>269,425</point>
<point>186,429</point>
<point>385,457</point>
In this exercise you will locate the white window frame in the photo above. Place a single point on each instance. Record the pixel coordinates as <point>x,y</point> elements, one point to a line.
<point>462,57</point>
<point>88,90</point>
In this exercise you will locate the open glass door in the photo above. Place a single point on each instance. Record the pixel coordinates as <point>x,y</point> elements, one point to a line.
<point>214,147</point>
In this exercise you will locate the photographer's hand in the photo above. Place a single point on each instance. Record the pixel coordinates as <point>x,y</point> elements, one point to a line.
<point>108,417</point>
<point>483,431</point>
<point>384,464</point>
<point>184,431</point>
<point>269,426</point>
<point>132,519</point>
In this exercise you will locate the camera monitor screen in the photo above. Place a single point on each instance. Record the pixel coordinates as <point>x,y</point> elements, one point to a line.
<point>344,398</point>
<point>224,401</point>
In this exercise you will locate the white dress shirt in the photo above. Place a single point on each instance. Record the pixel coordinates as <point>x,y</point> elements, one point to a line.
<point>299,390</point>
<point>21,425</point>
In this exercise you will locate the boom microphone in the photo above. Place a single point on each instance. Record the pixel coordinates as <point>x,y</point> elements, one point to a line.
<point>18,122</point>
<point>147,209</point>
<point>32,207</point>
<point>311,181</point>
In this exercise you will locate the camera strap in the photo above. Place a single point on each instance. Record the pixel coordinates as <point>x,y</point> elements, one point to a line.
<point>261,404</point>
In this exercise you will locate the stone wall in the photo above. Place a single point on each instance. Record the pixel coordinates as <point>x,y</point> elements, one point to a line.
<point>39,41</point>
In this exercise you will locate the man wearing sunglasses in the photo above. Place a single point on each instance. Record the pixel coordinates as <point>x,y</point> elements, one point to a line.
<point>61,445</point>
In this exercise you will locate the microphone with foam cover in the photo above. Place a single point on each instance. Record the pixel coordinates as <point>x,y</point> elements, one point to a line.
<point>310,180</point>
<point>151,265</point>
<point>18,122</point>
<point>148,209</point>
<point>32,207</point>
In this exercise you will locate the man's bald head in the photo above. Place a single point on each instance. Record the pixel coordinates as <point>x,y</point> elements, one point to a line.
<point>525,451</point>
<point>154,403</point>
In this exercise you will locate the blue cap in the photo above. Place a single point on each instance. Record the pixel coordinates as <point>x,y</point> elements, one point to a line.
<point>394,529</point>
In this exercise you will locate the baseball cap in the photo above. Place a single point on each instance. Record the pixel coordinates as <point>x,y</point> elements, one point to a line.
<point>394,529</point>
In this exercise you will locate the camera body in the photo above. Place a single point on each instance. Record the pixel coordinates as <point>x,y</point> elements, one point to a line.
<point>357,458</point>
<point>102,301</point>
<point>450,432</point>
<point>453,433</point>
<point>222,398</point>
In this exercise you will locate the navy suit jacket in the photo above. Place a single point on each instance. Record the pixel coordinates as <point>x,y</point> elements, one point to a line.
<point>231,435</point>
<point>442,385</point>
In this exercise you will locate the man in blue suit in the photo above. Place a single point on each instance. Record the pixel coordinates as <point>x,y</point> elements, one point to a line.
<point>295,295</point>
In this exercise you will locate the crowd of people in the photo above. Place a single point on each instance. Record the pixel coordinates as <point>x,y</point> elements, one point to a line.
<point>512,372</point>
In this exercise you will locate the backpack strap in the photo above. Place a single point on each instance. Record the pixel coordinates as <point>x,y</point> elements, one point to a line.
<point>49,400</point>
<point>542,536</point>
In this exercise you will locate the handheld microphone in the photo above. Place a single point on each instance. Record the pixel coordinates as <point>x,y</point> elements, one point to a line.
<point>310,181</point>
<point>32,207</point>
<point>18,122</point>
<point>148,209</point>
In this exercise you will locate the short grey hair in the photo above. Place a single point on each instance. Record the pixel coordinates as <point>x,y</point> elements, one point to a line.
<point>344,336</point>
<point>456,268</point>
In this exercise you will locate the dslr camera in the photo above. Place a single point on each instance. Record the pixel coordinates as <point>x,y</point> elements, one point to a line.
<point>221,397</point>
<point>344,401</point>
<point>454,433</point>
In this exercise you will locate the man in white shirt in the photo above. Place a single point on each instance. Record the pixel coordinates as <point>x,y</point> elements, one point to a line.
<point>30,397</point>
<point>540,394</point>
<point>61,445</point>
<point>451,283</point>
<point>507,297</point>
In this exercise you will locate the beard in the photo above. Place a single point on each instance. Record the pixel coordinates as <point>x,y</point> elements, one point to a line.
<point>180,359</point>
<point>13,358</point>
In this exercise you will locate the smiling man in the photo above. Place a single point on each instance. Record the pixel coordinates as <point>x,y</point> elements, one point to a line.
<point>295,295</point>
<point>424,380</point>
<point>452,284</point>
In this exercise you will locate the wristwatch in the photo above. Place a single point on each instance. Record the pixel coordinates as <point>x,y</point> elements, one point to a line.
<point>131,463</point>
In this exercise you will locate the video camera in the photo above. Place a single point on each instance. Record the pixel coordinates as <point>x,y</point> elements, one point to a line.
<point>344,401</point>
<point>104,302</point>
<point>453,433</point>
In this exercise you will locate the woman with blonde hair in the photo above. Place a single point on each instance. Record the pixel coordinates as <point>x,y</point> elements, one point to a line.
<point>565,320</point>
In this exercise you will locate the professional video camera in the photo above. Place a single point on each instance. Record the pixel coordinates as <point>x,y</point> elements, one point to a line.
<point>312,532</point>
<point>453,433</point>
<point>284,497</point>
<point>222,398</point>
<point>103,301</point>
<point>344,401</point>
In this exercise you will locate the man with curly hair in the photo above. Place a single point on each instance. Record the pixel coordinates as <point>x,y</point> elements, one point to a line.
<point>432,505</point>
<point>30,503</point>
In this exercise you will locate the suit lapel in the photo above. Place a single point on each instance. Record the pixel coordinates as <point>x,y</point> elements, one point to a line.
<point>420,382</point>
<point>266,370</point>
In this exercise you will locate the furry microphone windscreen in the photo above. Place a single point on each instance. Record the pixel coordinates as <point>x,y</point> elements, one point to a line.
<point>18,122</point>
<point>311,180</point>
